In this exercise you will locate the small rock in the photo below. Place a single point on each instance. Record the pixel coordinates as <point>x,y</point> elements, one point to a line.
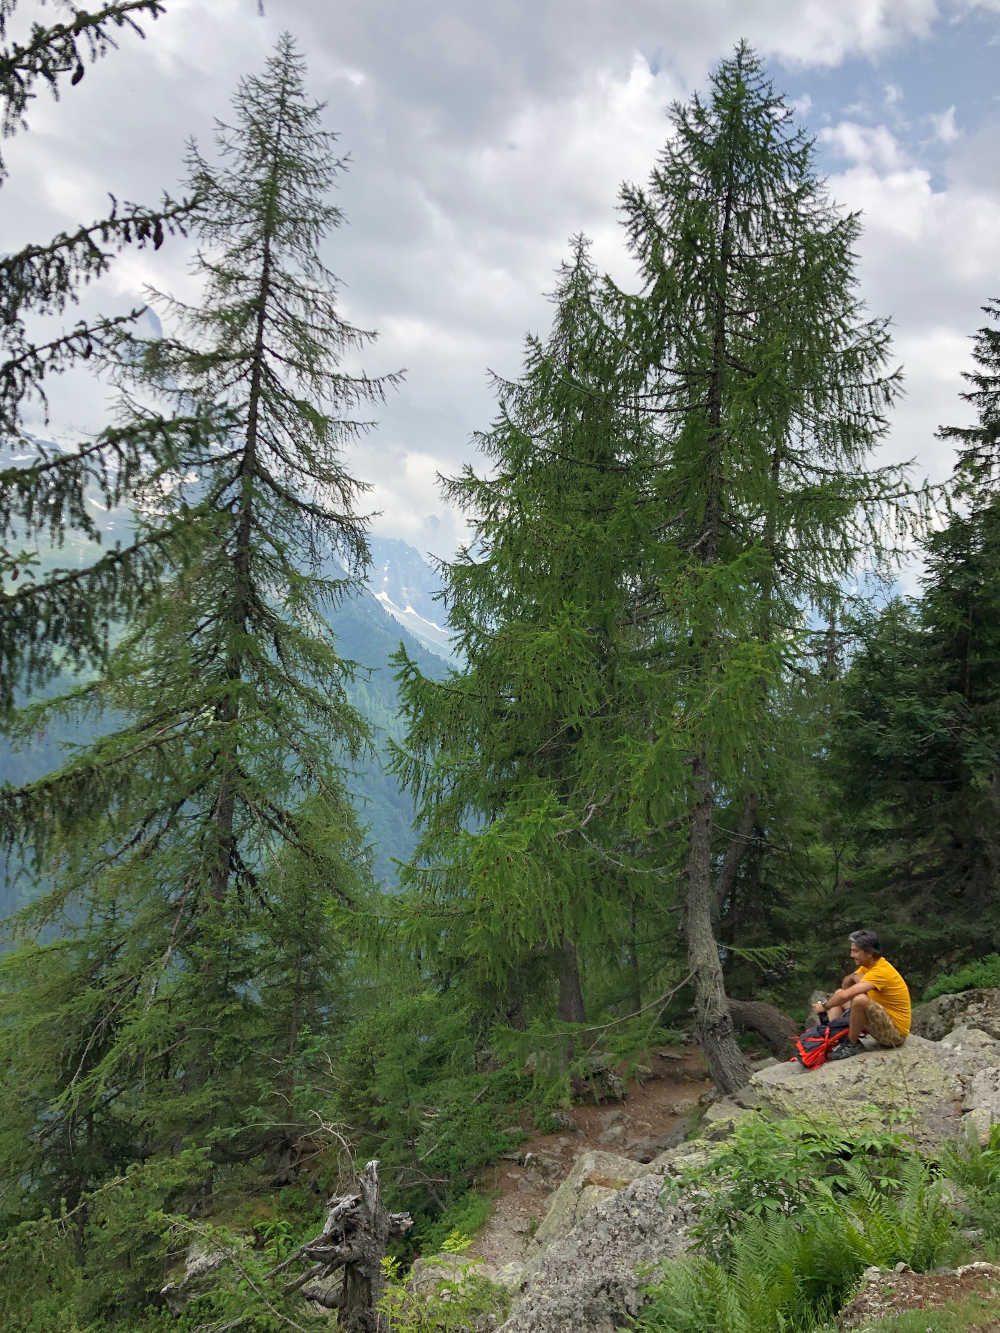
<point>765,1062</point>
<point>746,1097</point>
<point>974,1008</point>
<point>427,1273</point>
<point>509,1275</point>
<point>972,1039</point>
<point>546,1165</point>
<point>721,1119</point>
<point>650,1147</point>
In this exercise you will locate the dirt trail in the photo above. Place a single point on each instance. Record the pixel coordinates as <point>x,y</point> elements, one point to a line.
<point>657,1107</point>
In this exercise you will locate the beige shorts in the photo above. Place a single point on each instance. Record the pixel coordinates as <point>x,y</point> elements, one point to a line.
<point>881,1027</point>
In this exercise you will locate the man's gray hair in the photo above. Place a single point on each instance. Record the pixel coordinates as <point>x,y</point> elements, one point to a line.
<point>867,940</point>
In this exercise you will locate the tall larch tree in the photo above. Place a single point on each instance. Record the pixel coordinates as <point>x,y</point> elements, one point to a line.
<point>767,387</point>
<point>169,836</point>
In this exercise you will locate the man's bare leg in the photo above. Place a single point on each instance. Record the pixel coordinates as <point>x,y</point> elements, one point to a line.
<point>839,1009</point>
<point>859,1018</point>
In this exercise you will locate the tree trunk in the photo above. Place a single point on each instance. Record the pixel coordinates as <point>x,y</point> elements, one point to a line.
<point>633,958</point>
<point>571,1008</point>
<point>713,1021</point>
<point>739,844</point>
<point>775,1028</point>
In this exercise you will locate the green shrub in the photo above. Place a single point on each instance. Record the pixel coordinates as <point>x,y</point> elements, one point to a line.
<point>460,1300</point>
<point>913,1224</point>
<point>771,1168</point>
<point>416,1088</point>
<point>100,1259</point>
<point>977,1171</point>
<point>971,976</point>
<point>466,1215</point>
<point>784,1272</point>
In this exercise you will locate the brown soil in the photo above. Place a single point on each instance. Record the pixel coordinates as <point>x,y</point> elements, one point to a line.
<point>896,1293</point>
<point>664,1099</point>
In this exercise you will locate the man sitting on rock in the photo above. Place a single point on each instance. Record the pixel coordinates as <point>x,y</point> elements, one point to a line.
<point>874,994</point>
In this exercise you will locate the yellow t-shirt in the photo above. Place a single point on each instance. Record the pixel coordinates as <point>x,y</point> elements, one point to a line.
<point>890,990</point>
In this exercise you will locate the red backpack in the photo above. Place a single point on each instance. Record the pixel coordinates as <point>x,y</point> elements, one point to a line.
<point>813,1048</point>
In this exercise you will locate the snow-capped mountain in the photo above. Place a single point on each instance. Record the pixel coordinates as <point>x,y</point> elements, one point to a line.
<point>407,586</point>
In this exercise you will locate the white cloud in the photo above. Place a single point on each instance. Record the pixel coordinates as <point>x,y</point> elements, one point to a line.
<point>944,127</point>
<point>481,138</point>
<point>866,145</point>
<point>929,258</point>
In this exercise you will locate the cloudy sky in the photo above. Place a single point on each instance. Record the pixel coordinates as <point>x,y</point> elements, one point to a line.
<point>483,135</point>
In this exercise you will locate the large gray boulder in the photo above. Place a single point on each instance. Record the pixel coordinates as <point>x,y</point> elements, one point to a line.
<point>970,1008</point>
<point>595,1176</point>
<point>586,1281</point>
<point>925,1087</point>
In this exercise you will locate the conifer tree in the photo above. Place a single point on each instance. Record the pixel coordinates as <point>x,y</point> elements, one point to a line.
<point>767,387</point>
<point>745,387</point>
<point>61,618</point>
<point>977,468</point>
<point>511,874</point>
<point>168,835</point>
<point>919,731</point>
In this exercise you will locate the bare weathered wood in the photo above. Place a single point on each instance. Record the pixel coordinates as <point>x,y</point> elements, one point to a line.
<point>363,1277</point>
<point>357,1231</point>
<point>302,1279</point>
<point>355,1235</point>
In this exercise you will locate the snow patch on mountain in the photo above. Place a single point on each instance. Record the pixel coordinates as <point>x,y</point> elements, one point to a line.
<point>433,636</point>
<point>407,587</point>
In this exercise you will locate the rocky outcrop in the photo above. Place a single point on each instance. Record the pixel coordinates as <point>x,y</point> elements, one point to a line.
<point>922,1087</point>
<point>580,1275</point>
<point>202,1263</point>
<point>595,1176</point>
<point>970,1008</point>
<point>586,1279</point>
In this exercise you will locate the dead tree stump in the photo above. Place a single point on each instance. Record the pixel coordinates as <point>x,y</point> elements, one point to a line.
<point>354,1238</point>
